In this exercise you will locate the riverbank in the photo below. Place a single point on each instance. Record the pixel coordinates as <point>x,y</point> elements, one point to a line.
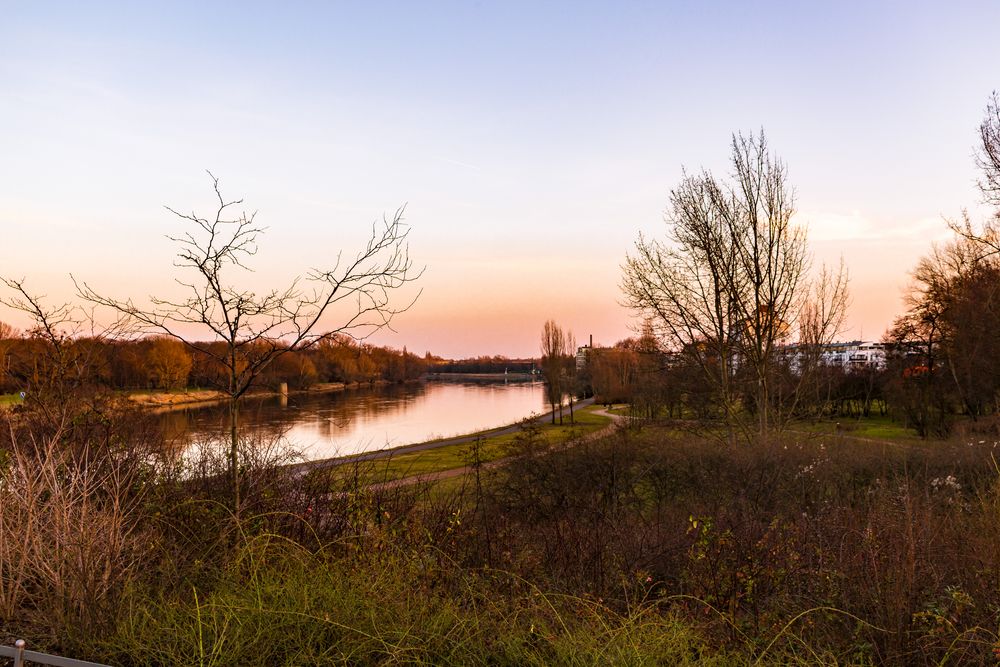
<point>452,461</point>
<point>187,398</point>
<point>443,453</point>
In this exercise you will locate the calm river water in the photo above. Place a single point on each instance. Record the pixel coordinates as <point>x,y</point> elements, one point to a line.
<point>333,424</point>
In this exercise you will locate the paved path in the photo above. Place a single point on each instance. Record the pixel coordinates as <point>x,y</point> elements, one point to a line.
<point>303,468</point>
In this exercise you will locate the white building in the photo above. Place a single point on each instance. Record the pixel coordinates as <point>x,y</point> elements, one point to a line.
<point>855,354</point>
<point>852,354</point>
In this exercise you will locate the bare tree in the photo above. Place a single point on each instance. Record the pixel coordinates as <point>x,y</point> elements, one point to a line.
<point>555,348</point>
<point>952,318</point>
<point>988,161</point>
<point>988,157</point>
<point>771,260</point>
<point>66,356</point>
<point>8,336</point>
<point>821,320</point>
<point>7,332</point>
<point>682,288</point>
<point>569,371</point>
<point>825,309</point>
<point>552,351</point>
<point>255,329</point>
<point>726,287</point>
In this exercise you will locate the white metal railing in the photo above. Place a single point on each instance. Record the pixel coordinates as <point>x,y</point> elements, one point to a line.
<point>22,656</point>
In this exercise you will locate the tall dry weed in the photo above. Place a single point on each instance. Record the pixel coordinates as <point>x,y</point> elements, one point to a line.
<point>70,538</point>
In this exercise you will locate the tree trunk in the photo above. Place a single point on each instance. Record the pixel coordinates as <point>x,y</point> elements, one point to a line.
<point>234,469</point>
<point>763,406</point>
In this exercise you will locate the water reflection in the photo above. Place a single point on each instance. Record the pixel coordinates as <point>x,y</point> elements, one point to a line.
<point>331,424</point>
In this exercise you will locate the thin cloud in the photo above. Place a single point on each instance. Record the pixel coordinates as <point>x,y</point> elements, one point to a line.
<point>855,226</point>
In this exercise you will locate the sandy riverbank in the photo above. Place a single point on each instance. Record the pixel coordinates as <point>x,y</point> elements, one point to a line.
<point>189,397</point>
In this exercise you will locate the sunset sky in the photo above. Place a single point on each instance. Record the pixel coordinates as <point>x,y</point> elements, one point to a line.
<point>530,142</point>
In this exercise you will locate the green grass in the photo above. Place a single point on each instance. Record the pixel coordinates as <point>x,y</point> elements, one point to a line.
<point>9,399</point>
<point>877,427</point>
<point>278,604</point>
<point>450,457</point>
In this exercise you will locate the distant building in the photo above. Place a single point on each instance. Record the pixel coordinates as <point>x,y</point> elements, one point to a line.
<point>847,355</point>
<point>855,354</point>
<point>583,353</point>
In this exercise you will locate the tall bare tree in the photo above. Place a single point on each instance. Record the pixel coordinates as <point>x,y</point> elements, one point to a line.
<point>821,320</point>
<point>726,287</point>
<point>988,155</point>
<point>556,347</point>
<point>353,297</point>
<point>682,287</point>
<point>988,160</point>
<point>570,379</point>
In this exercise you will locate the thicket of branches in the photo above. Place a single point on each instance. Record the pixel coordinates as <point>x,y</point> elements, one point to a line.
<point>730,282</point>
<point>947,340</point>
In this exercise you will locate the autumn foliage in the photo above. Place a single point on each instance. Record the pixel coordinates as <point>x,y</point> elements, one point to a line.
<point>160,363</point>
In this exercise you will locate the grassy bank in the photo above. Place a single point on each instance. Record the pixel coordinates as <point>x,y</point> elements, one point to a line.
<point>489,448</point>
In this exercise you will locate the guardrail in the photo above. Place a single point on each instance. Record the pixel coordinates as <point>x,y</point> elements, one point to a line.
<point>22,656</point>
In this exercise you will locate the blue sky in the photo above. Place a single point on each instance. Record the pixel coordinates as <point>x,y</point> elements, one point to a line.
<point>531,143</point>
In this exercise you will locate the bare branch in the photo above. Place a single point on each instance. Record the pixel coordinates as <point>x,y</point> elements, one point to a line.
<point>727,289</point>
<point>353,298</point>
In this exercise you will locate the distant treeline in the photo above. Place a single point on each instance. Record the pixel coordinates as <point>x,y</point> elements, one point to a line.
<point>495,364</point>
<point>165,364</point>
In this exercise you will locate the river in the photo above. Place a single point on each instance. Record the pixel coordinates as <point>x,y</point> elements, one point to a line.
<point>323,425</point>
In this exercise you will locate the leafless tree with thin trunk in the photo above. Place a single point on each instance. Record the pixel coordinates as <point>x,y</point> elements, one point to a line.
<point>772,260</point>
<point>355,296</point>
<point>556,348</point>
<point>821,320</point>
<point>569,371</point>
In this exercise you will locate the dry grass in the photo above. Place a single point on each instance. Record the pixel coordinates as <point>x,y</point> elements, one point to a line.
<point>70,536</point>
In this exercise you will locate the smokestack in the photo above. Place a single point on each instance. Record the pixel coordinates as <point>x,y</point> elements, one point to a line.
<point>591,341</point>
